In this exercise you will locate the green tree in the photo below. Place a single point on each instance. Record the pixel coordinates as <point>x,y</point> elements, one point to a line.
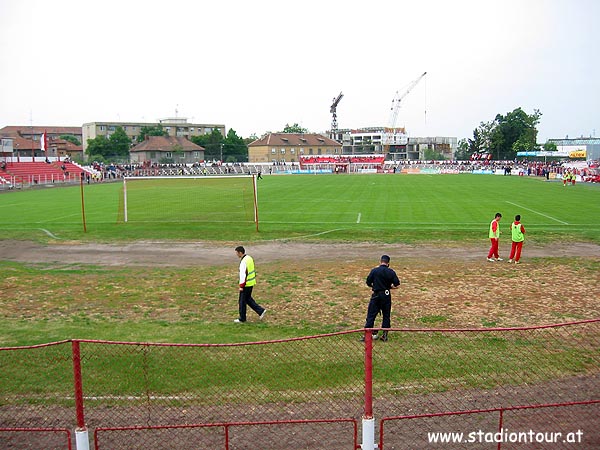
<point>482,137</point>
<point>120,144</point>
<point>151,131</point>
<point>69,137</point>
<point>114,148</point>
<point>99,146</point>
<point>212,144</point>
<point>462,151</point>
<point>514,132</point>
<point>294,129</point>
<point>550,147</point>
<point>235,148</point>
<point>477,143</point>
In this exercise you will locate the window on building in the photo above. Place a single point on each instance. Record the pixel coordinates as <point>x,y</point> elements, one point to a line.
<point>292,151</point>
<point>272,151</point>
<point>302,150</point>
<point>283,151</point>
<point>111,128</point>
<point>319,151</point>
<point>168,155</point>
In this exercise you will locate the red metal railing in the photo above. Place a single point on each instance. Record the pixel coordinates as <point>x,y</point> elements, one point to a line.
<point>301,392</point>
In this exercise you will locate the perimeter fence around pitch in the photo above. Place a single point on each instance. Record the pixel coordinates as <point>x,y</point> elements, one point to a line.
<point>305,393</point>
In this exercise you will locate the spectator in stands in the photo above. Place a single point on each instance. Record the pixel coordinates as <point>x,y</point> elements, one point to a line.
<point>381,280</point>
<point>247,280</point>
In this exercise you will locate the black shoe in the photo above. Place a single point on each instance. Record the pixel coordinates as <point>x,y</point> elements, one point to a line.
<point>384,336</point>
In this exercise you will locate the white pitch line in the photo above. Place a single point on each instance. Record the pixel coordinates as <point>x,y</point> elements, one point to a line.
<point>310,235</point>
<point>49,234</point>
<point>537,212</point>
<point>358,219</point>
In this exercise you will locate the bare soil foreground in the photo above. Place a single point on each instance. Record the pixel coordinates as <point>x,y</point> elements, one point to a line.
<point>448,285</point>
<point>158,254</point>
<point>444,285</point>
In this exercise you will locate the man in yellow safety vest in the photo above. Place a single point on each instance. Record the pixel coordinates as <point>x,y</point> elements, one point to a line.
<point>247,282</point>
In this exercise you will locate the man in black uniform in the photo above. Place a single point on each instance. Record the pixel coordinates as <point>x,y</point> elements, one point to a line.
<point>381,280</point>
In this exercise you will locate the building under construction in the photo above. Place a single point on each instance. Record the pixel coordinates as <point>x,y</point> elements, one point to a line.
<point>371,140</point>
<point>390,141</point>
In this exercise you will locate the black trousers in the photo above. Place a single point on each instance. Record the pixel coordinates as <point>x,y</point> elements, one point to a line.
<point>380,302</point>
<point>247,300</point>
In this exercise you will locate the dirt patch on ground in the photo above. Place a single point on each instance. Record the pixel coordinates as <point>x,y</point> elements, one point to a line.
<point>442,285</point>
<point>147,253</point>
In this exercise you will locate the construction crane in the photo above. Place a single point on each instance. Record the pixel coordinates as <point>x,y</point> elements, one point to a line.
<point>333,110</point>
<point>391,133</point>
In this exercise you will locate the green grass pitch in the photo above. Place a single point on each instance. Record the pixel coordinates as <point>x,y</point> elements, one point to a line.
<point>374,207</point>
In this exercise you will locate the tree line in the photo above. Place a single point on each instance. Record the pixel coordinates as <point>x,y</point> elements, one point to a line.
<point>504,136</point>
<point>501,137</point>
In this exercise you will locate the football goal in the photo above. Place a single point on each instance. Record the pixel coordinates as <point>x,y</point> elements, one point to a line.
<point>227,199</point>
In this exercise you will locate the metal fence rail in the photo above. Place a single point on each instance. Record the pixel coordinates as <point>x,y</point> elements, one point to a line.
<point>302,393</point>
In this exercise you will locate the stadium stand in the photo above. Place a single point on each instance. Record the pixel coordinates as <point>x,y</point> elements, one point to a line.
<point>16,173</point>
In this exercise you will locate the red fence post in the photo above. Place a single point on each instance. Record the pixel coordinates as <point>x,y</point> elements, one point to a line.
<point>368,375</point>
<point>368,422</point>
<point>78,384</point>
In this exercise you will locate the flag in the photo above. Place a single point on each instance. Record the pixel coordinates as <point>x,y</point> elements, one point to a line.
<point>44,142</point>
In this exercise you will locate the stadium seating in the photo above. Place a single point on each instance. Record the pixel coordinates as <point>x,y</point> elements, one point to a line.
<point>40,172</point>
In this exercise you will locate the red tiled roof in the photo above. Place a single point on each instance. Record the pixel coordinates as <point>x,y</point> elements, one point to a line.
<point>20,143</point>
<point>13,130</point>
<point>166,144</point>
<point>295,139</point>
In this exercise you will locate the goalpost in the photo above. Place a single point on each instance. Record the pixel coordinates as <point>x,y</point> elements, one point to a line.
<point>204,198</point>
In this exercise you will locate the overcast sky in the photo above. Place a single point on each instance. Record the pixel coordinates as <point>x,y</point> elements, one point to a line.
<point>257,65</point>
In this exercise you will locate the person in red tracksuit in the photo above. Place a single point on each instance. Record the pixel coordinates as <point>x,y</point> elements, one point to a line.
<point>494,239</point>
<point>517,231</point>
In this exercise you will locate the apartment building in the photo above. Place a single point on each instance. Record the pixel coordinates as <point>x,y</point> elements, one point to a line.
<point>288,147</point>
<point>174,126</point>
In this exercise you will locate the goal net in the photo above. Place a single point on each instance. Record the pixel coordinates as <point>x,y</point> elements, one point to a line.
<point>226,199</point>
